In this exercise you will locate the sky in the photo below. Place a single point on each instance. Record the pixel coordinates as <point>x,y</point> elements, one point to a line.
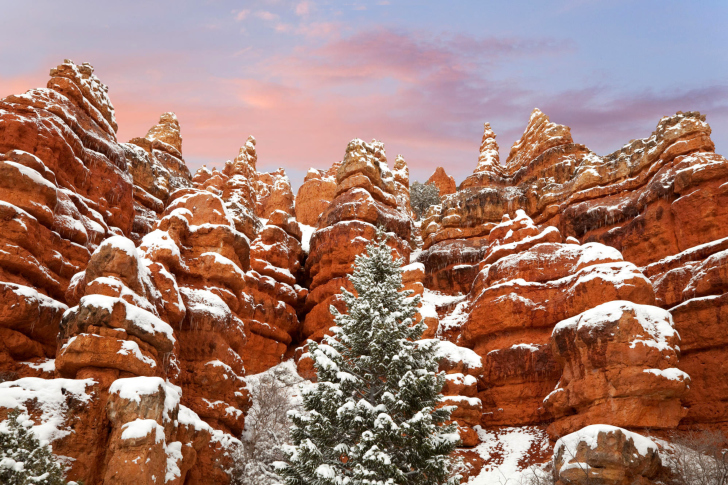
<point>307,76</point>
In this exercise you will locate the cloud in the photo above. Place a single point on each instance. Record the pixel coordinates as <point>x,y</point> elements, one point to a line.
<point>241,15</point>
<point>265,15</point>
<point>303,8</point>
<point>424,94</point>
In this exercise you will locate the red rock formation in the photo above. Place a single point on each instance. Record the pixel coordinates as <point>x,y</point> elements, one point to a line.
<point>636,199</point>
<point>273,193</point>
<point>401,186</point>
<point>529,281</point>
<point>236,185</point>
<point>177,288</point>
<point>619,367</point>
<point>489,158</point>
<point>463,369</point>
<point>608,455</point>
<point>365,199</point>
<point>693,284</point>
<point>63,189</point>
<point>156,164</point>
<point>315,194</point>
<point>445,183</point>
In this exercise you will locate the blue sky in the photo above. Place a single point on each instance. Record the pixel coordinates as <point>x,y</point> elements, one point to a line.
<point>305,77</point>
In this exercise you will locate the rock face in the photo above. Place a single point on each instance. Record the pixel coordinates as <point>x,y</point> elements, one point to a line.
<point>635,199</point>
<point>445,183</point>
<point>401,186</point>
<point>568,289</point>
<point>489,158</point>
<point>529,281</point>
<point>273,191</point>
<point>365,198</point>
<point>619,367</point>
<point>158,169</point>
<point>315,194</point>
<point>608,455</point>
<point>692,285</point>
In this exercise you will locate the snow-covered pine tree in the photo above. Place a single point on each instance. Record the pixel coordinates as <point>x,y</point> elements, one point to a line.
<point>24,460</point>
<point>371,419</point>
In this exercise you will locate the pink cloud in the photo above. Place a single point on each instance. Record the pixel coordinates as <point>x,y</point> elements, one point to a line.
<point>303,8</point>
<point>265,15</point>
<point>425,96</point>
<point>241,14</point>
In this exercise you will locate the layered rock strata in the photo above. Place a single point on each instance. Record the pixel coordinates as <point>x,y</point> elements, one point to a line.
<point>158,169</point>
<point>365,199</point>
<point>607,455</point>
<point>637,199</point>
<point>315,194</point>
<point>445,183</point>
<point>530,281</point>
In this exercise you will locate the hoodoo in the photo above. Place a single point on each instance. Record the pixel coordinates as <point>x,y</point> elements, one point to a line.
<point>580,301</point>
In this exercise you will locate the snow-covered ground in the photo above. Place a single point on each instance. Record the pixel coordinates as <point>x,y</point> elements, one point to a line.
<point>510,454</point>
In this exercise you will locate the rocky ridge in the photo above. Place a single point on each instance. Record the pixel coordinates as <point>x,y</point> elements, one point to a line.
<point>569,289</point>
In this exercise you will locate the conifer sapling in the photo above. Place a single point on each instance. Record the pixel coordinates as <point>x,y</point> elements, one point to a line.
<point>24,459</point>
<point>372,417</point>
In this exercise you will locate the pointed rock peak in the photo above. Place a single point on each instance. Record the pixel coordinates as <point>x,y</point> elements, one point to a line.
<point>167,131</point>
<point>92,89</point>
<point>369,159</point>
<point>401,171</point>
<point>445,183</point>
<point>516,234</point>
<point>489,156</point>
<point>540,135</point>
<point>248,153</point>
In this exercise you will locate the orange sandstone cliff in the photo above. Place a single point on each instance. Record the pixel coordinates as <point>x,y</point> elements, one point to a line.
<point>580,299</point>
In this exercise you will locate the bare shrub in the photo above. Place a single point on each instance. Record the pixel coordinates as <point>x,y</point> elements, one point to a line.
<point>698,458</point>
<point>422,196</point>
<point>537,475</point>
<point>266,428</point>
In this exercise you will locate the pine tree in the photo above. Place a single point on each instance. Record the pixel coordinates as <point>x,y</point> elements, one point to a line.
<point>24,460</point>
<point>371,419</point>
<point>422,196</point>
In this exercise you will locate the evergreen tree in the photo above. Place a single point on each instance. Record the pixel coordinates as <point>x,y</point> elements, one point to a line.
<point>371,418</point>
<point>423,196</point>
<point>24,460</point>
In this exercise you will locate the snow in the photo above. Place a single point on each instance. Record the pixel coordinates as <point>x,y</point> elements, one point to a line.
<point>142,319</point>
<point>51,397</point>
<point>326,472</point>
<point>504,449</point>
<point>48,365</point>
<point>306,233</point>
<point>454,319</point>
<point>128,346</point>
<point>589,435</point>
<point>32,174</point>
<point>672,373</point>
<point>188,417</point>
<point>461,379</point>
<point>226,263</point>
<point>471,401</point>
<point>656,322</point>
<point>160,240</point>
<point>419,267</point>
<point>174,456</point>
<point>454,353</point>
<point>140,428</point>
<point>440,299</point>
<point>133,388</point>
<point>206,302</point>
<point>32,296</point>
